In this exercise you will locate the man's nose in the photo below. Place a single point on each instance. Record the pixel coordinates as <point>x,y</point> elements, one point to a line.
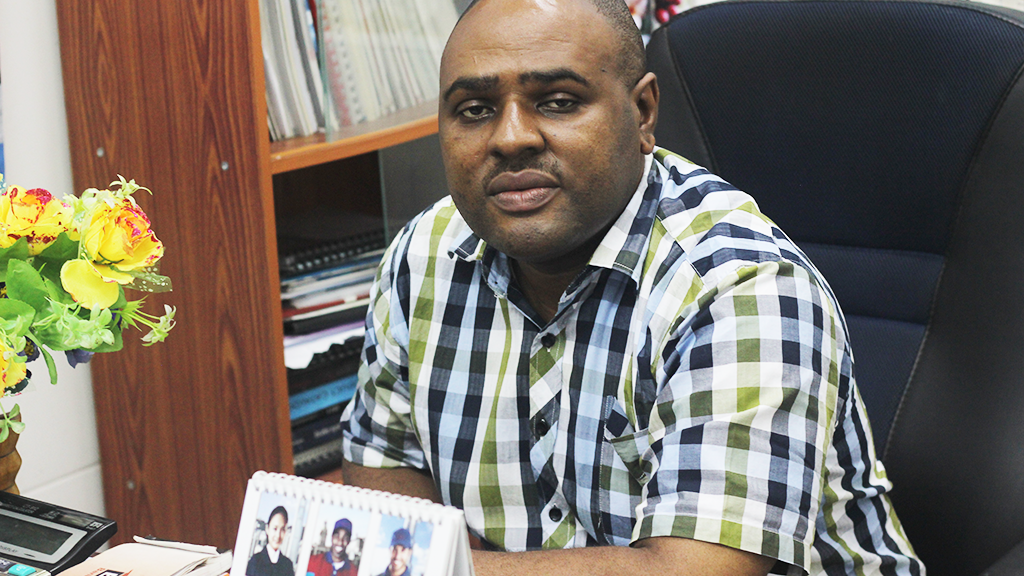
<point>515,132</point>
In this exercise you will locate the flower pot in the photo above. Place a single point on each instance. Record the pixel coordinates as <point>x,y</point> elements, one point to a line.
<point>10,462</point>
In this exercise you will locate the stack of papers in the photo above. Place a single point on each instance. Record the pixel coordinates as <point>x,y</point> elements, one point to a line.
<point>147,557</point>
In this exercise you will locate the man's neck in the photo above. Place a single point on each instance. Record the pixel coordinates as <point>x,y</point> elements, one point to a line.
<point>543,288</point>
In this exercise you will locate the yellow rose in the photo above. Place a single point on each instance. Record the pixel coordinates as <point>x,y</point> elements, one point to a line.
<point>32,214</point>
<point>11,372</point>
<point>116,240</point>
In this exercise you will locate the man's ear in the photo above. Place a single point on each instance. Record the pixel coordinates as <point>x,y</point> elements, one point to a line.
<point>645,97</point>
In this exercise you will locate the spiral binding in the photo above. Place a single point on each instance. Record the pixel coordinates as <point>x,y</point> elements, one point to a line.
<point>311,489</point>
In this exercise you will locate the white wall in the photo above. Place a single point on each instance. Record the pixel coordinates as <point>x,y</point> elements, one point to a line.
<point>59,445</point>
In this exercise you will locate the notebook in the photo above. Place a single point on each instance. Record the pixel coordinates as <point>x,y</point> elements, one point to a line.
<point>289,523</point>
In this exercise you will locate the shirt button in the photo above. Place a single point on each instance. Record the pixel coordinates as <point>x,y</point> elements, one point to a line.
<point>555,514</point>
<point>541,427</point>
<point>547,340</point>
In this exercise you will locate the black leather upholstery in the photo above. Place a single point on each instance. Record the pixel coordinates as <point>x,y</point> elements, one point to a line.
<point>887,138</point>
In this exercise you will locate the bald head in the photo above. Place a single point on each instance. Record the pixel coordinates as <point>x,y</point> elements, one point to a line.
<point>632,59</point>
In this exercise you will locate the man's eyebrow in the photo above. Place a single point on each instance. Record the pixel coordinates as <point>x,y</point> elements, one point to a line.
<point>552,76</point>
<point>471,84</point>
<point>482,83</point>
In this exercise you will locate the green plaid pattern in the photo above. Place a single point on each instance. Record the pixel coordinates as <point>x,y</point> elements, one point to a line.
<point>696,381</point>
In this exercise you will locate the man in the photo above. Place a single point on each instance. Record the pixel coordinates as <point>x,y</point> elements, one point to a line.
<point>270,561</point>
<point>335,561</point>
<point>401,553</point>
<point>605,355</point>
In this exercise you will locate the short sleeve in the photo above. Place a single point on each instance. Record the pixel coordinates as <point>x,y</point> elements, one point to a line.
<point>743,418</point>
<point>377,426</point>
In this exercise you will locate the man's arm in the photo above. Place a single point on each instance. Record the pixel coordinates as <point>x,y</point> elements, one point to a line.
<point>656,556</point>
<point>408,481</point>
<point>662,556</point>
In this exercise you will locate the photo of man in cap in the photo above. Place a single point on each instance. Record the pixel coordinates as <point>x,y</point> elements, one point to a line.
<point>401,553</point>
<point>335,561</point>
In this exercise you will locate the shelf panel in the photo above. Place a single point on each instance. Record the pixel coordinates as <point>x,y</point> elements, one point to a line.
<point>400,127</point>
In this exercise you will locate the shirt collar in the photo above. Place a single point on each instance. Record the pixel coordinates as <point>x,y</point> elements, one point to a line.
<point>274,555</point>
<point>621,248</point>
<point>625,243</point>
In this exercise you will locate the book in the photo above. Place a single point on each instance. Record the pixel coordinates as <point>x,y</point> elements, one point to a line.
<point>320,397</point>
<point>338,361</point>
<point>301,257</point>
<point>356,270</point>
<point>318,432</point>
<point>430,539</point>
<point>327,317</point>
<point>382,56</point>
<point>334,410</point>
<point>317,460</point>
<point>325,299</point>
<point>300,350</point>
<point>302,17</point>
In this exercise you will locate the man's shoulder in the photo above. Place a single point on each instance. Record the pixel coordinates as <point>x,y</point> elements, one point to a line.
<point>719,227</point>
<point>433,230</point>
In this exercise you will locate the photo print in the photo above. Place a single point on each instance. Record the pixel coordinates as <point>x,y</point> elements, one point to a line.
<point>398,547</point>
<point>336,538</point>
<point>277,535</point>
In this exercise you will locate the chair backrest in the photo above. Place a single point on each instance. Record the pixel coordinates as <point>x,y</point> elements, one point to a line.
<point>887,139</point>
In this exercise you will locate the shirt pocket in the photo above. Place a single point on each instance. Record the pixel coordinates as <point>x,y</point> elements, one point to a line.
<point>623,472</point>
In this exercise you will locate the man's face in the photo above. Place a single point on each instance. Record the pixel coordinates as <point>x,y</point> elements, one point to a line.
<point>399,559</point>
<point>275,531</point>
<point>542,138</point>
<point>339,544</point>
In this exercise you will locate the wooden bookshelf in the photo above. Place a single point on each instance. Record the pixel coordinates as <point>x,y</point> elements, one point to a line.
<point>172,95</point>
<point>399,128</point>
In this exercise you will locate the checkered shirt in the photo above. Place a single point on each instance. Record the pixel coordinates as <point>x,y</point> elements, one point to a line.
<point>696,381</point>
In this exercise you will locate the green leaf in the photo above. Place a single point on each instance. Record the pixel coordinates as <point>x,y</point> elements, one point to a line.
<point>121,302</point>
<point>50,364</point>
<point>17,427</point>
<point>16,251</point>
<point>17,316</point>
<point>50,271</point>
<point>14,411</point>
<point>62,250</point>
<point>4,430</point>
<point>24,283</point>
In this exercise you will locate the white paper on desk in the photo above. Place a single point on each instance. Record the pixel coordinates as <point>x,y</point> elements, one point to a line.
<point>141,560</point>
<point>202,549</point>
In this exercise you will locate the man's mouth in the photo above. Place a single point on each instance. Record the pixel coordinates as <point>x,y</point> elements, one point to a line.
<point>522,191</point>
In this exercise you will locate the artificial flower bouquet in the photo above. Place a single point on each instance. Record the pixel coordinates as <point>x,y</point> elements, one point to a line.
<point>64,264</point>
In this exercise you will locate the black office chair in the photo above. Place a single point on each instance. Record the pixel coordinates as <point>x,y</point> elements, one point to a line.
<point>887,138</point>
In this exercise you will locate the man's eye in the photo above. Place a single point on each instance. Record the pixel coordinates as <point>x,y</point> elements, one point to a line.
<point>474,112</point>
<point>559,105</point>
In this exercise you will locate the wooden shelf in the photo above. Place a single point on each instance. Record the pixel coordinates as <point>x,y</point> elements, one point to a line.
<point>402,126</point>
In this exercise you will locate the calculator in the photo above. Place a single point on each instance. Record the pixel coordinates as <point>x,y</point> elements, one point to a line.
<point>38,539</point>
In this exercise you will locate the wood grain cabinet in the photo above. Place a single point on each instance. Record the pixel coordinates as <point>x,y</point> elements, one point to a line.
<point>171,93</point>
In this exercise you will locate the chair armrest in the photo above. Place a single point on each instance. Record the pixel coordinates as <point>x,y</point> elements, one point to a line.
<point>1011,564</point>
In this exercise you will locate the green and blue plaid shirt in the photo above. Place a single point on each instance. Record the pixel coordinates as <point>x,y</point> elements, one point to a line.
<point>696,381</point>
